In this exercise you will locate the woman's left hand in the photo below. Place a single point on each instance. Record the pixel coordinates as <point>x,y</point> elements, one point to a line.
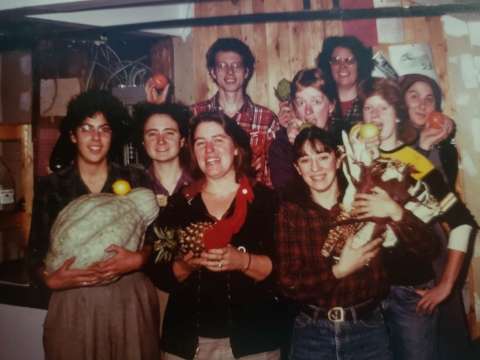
<point>124,261</point>
<point>378,204</point>
<point>430,136</point>
<point>431,298</point>
<point>225,259</point>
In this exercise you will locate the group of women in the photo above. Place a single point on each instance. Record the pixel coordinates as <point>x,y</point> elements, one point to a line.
<point>235,301</point>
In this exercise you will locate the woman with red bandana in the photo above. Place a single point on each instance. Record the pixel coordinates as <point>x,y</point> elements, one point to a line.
<point>221,304</point>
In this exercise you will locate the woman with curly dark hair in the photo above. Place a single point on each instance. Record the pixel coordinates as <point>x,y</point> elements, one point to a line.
<point>347,61</point>
<point>84,320</point>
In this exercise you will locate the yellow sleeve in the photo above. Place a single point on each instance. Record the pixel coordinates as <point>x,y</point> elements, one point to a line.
<point>413,158</point>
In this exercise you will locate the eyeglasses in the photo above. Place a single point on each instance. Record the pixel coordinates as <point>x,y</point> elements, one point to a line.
<point>336,61</point>
<point>234,67</point>
<point>90,129</point>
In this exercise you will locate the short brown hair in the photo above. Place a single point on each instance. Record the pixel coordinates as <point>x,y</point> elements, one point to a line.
<point>389,91</point>
<point>241,140</point>
<point>313,78</point>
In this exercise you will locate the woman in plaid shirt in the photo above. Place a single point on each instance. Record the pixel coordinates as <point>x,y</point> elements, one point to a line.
<point>338,300</point>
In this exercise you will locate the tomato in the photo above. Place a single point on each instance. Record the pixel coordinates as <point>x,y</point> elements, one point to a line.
<point>121,187</point>
<point>436,119</point>
<point>368,131</point>
<point>160,81</point>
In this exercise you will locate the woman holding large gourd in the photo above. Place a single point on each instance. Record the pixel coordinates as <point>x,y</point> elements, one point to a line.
<point>90,315</point>
<point>221,302</point>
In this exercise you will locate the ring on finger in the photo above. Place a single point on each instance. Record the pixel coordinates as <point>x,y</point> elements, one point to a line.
<point>220,264</point>
<point>85,283</point>
<point>367,263</point>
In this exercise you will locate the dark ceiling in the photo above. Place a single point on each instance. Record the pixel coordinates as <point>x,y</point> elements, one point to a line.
<point>73,19</point>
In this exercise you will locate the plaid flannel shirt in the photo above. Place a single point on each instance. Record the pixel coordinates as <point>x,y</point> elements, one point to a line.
<point>260,124</point>
<point>305,275</point>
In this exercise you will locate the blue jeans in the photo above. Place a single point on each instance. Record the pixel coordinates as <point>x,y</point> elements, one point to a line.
<point>412,337</point>
<point>348,340</point>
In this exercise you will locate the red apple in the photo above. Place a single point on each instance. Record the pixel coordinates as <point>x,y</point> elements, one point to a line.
<point>160,81</point>
<point>436,119</point>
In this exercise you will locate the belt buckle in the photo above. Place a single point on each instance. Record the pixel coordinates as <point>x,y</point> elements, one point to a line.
<point>336,314</point>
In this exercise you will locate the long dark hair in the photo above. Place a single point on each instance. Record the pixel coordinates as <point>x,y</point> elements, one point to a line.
<point>241,140</point>
<point>320,140</point>
<point>362,54</point>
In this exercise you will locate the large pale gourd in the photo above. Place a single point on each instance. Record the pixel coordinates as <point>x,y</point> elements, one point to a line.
<point>91,223</point>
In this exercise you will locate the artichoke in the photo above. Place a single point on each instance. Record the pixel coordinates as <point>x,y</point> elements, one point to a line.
<point>282,92</point>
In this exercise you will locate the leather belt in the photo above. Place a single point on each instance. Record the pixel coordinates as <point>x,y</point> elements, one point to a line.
<point>363,311</point>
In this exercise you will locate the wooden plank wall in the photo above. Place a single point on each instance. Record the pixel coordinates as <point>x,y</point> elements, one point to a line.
<point>282,49</point>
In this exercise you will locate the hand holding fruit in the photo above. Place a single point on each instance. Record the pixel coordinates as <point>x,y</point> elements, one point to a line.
<point>151,86</point>
<point>369,134</point>
<point>437,129</point>
<point>286,113</point>
<point>124,261</point>
<point>66,278</point>
<point>293,129</point>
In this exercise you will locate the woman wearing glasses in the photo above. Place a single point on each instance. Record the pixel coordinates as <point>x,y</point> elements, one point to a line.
<point>85,321</point>
<point>345,60</point>
<point>313,102</point>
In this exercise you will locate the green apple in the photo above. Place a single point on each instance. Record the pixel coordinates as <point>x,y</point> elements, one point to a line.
<point>368,131</point>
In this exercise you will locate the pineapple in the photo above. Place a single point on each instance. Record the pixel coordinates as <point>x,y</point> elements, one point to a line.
<point>175,243</point>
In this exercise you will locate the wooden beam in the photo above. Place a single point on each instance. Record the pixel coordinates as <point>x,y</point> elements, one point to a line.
<point>334,14</point>
<point>307,5</point>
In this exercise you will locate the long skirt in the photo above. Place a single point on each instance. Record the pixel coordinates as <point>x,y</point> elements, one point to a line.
<point>117,321</point>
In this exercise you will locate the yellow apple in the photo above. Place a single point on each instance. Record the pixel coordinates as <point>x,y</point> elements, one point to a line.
<point>368,131</point>
<point>121,187</point>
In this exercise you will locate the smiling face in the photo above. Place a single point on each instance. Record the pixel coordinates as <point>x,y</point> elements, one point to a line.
<point>312,106</point>
<point>229,72</point>
<point>344,75</point>
<point>420,101</point>
<point>318,169</point>
<point>161,138</point>
<point>214,150</point>
<point>93,138</point>
<point>377,111</point>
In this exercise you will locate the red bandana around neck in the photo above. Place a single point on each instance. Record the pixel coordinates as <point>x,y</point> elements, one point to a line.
<point>220,234</point>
